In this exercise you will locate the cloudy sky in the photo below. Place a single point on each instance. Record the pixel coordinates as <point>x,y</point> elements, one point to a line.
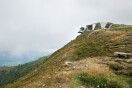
<point>36,28</point>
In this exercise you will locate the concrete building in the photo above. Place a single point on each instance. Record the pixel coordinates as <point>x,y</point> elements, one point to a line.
<point>96,26</point>
<point>82,29</point>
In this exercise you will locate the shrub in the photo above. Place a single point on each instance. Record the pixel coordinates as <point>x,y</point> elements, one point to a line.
<point>116,67</point>
<point>72,58</point>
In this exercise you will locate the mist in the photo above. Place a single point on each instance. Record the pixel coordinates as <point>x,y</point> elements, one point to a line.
<point>30,29</point>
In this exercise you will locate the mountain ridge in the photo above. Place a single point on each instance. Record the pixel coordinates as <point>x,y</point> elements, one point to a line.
<point>9,74</point>
<point>88,45</point>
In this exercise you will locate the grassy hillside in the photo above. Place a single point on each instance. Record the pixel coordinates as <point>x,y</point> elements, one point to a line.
<point>10,74</point>
<point>93,63</point>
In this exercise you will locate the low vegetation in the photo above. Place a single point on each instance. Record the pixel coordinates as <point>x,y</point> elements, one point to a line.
<point>101,77</point>
<point>72,58</point>
<point>98,82</point>
<point>92,63</point>
<point>10,74</point>
<point>105,43</point>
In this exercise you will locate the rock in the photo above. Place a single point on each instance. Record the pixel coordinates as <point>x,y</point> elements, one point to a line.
<point>67,62</point>
<point>41,85</point>
<point>56,72</point>
<point>82,87</point>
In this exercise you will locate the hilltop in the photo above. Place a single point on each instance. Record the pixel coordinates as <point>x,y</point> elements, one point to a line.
<point>90,63</point>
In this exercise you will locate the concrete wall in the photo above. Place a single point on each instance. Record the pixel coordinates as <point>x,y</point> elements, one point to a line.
<point>103,24</point>
<point>82,29</point>
<point>94,25</point>
<point>108,25</point>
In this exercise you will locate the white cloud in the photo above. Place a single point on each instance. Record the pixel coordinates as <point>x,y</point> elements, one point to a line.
<point>43,25</point>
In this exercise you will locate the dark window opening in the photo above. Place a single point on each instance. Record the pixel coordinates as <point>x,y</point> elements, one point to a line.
<point>108,25</point>
<point>89,27</point>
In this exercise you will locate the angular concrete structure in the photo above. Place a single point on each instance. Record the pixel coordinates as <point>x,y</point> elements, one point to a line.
<point>90,27</point>
<point>82,29</point>
<point>108,25</point>
<point>103,24</point>
<point>96,26</point>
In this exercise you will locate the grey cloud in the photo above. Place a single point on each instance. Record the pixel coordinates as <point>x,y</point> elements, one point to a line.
<point>46,25</point>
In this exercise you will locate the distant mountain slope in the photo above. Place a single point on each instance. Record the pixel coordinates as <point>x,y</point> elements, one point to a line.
<point>11,59</point>
<point>89,45</point>
<point>10,74</point>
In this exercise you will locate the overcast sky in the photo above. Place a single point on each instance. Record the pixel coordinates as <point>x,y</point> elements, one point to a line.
<point>46,25</point>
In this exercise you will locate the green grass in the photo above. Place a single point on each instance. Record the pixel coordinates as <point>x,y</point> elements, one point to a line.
<point>75,82</point>
<point>72,58</point>
<point>116,25</point>
<point>100,81</point>
<point>95,46</point>
<point>101,44</point>
<point>122,29</point>
<point>127,79</point>
<point>88,44</point>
